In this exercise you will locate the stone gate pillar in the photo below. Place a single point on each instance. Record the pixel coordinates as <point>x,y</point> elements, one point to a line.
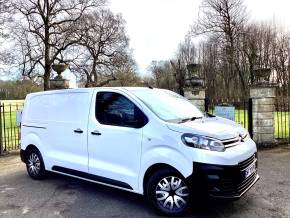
<point>197,97</point>
<point>263,107</point>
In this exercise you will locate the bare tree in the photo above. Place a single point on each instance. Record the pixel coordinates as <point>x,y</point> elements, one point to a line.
<point>4,16</point>
<point>179,75</point>
<point>126,75</point>
<point>173,74</point>
<point>162,75</point>
<point>225,20</point>
<point>187,52</point>
<point>102,46</point>
<point>208,58</point>
<point>230,52</point>
<point>46,28</point>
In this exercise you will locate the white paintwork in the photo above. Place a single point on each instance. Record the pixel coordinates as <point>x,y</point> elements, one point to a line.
<point>120,153</point>
<point>116,153</point>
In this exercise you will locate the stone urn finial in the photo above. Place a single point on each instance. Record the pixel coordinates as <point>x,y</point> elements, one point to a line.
<point>193,69</point>
<point>59,68</point>
<point>59,82</point>
<point>194,81</point>
<point>262,76</point>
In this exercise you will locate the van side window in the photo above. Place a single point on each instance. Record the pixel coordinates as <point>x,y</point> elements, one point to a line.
<point>117,110</point>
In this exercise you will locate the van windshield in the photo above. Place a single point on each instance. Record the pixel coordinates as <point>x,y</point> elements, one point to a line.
<point>168,105</point>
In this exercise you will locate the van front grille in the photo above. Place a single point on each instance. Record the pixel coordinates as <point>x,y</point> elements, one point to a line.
<point>231,142</point>
<point>235,141</point>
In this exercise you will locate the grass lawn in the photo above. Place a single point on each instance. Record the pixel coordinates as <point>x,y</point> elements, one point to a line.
<point>281,125</point>
<point>8,112</point>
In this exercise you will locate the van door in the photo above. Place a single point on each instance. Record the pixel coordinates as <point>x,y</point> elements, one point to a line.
<point>66,134</point>
<point>115,139</point>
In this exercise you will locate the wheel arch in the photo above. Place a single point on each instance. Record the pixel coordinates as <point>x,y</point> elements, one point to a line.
<point>30,147</point>
<point>155,168</point>
<point>31,139</point>
<point>163,157</point>
<point>27,149</point>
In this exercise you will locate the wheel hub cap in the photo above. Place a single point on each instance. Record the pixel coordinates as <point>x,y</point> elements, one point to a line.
<point>172,193</point>
<point>33,164</point>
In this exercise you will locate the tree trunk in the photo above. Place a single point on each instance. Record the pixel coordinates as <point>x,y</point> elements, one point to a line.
<point>46,77</point>
<point>94,72</point>
<point>47,67</point>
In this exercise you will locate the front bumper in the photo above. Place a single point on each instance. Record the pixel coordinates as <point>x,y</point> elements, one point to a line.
<point>224,181</point>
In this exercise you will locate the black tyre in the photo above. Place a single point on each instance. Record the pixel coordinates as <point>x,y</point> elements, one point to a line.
<point>34,164</point>
<point>168,192</point>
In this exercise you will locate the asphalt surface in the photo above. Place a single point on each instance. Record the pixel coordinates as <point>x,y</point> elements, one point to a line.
<point>60,196</point>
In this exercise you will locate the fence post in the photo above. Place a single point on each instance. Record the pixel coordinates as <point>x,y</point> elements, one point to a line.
<point>263,108</point>
<point>1,139</point>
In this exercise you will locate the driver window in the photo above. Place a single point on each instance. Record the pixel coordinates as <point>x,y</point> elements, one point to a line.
<point>117,110</point>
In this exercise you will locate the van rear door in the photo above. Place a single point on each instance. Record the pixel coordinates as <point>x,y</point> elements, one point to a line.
<point>65,117</point>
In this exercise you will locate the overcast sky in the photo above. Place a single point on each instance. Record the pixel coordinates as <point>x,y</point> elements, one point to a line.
<point>156,27</point>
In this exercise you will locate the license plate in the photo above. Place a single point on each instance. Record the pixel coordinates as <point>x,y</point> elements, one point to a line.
<point>250,170</point>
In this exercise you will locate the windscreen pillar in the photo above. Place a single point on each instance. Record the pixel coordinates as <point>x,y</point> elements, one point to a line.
<point>197,97</point>
<point>263,109</point>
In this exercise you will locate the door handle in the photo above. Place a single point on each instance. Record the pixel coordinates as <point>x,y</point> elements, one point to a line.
<point>96,132</point>
<point>78,130</point>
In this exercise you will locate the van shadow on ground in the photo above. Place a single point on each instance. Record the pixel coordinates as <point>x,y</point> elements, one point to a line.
<point>102,201</point>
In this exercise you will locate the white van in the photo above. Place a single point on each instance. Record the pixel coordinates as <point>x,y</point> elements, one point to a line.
<point>144,140</point>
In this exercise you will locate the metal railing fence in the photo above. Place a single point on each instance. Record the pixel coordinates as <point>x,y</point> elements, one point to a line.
<point>9,129</point>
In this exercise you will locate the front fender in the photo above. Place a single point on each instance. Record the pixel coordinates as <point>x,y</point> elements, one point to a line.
<point>165,155</point>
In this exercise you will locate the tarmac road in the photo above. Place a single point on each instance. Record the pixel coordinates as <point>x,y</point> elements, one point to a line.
<point>60,196</point>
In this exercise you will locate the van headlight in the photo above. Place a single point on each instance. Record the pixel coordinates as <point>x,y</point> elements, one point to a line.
<point>202,142</point>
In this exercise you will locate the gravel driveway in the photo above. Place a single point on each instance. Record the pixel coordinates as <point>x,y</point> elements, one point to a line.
<point>60,196</point>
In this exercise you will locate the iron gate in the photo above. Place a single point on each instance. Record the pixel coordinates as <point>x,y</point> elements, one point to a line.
<point>242,114</point>
<point>9,130</point>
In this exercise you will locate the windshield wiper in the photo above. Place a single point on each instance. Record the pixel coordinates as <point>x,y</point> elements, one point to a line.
<point>190,119</point>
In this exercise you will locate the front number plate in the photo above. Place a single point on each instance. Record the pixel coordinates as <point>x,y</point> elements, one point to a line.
<point>250,170</point>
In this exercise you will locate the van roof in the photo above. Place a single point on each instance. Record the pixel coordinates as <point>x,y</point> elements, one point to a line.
<point>88,89</point>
